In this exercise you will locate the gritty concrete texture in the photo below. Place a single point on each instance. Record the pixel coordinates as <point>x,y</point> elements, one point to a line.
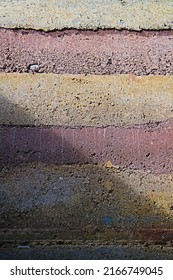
<point>77,204</point>
<point>87,52</point>
<point>149,147</point>
<point>87,14</point>
<point>116,252</point>
<point>79,100</point>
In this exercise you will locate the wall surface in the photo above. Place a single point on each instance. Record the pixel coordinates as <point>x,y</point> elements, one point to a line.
<point>86,126</point>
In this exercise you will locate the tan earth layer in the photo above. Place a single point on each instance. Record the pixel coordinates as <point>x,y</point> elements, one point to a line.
<point>79,100</point>
<point>85,202</point>
<point>87,14</point>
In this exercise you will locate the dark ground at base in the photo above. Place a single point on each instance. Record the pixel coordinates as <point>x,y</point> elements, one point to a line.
<point>114,252</point>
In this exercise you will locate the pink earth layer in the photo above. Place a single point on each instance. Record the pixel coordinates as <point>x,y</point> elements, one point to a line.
<point>144,147</point>
<point>87,52</point>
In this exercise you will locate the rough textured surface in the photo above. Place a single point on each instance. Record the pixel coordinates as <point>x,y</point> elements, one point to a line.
<point>87,52</point>
<point>116,252</point>
<point>148,147</point>
<point>87,14</point>
<point>86,204</point>
<point>114,204</point>
<point>78,100</point>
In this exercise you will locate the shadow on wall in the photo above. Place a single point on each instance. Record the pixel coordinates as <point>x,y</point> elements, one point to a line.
<point>73,202</point>
<point>24,144</point>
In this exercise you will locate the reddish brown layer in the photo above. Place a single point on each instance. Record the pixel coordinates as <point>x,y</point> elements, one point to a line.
<point>77,52</point>
<point>137,147</point>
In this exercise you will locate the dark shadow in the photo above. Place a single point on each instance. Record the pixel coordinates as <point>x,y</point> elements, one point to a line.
<point>49,197</point>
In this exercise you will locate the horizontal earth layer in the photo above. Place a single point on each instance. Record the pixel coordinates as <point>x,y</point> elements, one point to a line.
<point>79,100</point>
<point>87,14</point>
<point>144,147</point>
<point>87,52</point>
<point>81,203</point>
